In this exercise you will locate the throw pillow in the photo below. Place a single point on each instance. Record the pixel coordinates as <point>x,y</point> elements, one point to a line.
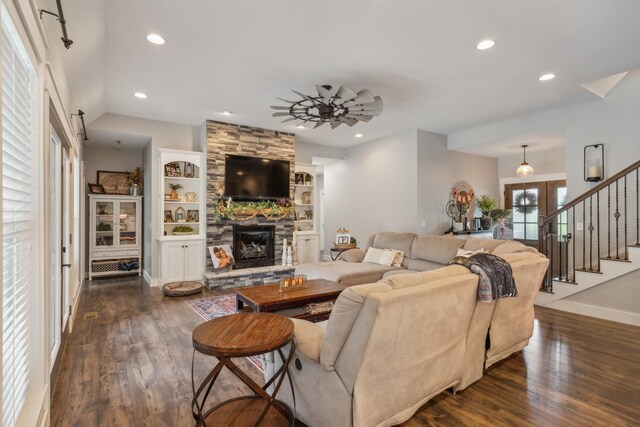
<point>466,253</point>
<point>398,257</point>
<point>379,256</point>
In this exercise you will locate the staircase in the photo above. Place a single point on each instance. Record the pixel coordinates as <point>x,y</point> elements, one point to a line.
<point>592,239</point>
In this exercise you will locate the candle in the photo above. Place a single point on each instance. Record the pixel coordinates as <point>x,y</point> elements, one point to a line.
<point>594,172</point>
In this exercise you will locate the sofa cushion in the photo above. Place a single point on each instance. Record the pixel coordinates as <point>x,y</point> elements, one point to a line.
<point>353,255</point>
<point>399,281</point>
<point>345,273</point>
<point>379,256</point>
<point>398,241</point>
<point>438,249</point>
<point>474,243</point>
<point>421,265</point>
<point>396,272</point>
<point>308,338</point>
<point>344,313</point>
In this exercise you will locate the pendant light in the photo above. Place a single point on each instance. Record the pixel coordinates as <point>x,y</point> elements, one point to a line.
<point>525,168</point>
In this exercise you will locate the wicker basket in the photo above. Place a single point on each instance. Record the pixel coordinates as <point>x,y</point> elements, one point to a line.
<point>344,246</point>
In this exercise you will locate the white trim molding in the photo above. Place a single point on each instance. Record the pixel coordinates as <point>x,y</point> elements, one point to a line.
<point>147,278</point>
<point>596,311</point>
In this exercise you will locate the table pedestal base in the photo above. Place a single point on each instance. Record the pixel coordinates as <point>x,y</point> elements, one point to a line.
<point>244,411</point>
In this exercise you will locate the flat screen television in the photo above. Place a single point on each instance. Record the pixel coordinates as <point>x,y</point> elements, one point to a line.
<point>253,178</point>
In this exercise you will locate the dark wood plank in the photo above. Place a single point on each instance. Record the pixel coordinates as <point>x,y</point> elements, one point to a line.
<point>131,367</point>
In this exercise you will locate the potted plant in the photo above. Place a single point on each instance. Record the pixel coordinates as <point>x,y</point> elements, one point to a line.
<point>486,204</point>
<point>135,181</point>
<point>308,214</point>
<point>174,190</point>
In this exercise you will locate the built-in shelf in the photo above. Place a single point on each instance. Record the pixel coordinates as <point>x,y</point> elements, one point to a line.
<point>306,221</point>
<point>304,204</point>
<point>304,185</point>
<point>180,178</point>
<point>180,203</point>
<point>181,223</point>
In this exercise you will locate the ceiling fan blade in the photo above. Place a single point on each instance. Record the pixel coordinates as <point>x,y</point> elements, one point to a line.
<point>324,93</point>
<point>360,117</point>
<point>289,120</point>
<point>364,97</point>
<point>303,96</point>
<point>278,107</point>
<point>334,123</point>
<point>344,94</point>
<point>280,114</point>
<point>349,121</point>
<point>320,123</point>
<point>286,100</point>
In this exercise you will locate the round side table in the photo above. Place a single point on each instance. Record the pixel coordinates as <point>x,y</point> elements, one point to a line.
<point>242,335</point>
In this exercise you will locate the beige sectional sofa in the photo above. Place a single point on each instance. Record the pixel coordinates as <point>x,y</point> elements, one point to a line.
<point>390,346</point>
<point>422,253</point>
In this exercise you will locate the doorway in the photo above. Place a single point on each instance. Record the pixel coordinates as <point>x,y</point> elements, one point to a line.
<point>61,251</point>
<point>529,200</point>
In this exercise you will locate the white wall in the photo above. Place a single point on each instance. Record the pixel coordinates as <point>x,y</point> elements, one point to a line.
<point>374,189</point>
<point>305,152</point>
<point>163,135</point>
<point>440,168</point>
<point>612,121</point>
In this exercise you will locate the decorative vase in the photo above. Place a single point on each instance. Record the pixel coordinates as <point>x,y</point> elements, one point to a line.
<point>458,225</point>
<point>289,257</point>
<point>134,190</point>
<point>485,221</point>
<point>174,195</point>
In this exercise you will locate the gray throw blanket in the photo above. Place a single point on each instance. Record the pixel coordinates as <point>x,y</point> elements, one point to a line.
<point>496,276</point>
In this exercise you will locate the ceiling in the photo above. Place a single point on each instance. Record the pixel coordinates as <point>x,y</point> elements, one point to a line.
<point>536,142</point>
<point>418,55</point>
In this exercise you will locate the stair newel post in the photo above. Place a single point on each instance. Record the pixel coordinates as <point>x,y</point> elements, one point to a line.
<point>617,216</point>
<point>566,258</point>
<point>584,235</point>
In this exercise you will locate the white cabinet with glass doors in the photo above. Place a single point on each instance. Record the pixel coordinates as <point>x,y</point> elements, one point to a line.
<point>115,235</point>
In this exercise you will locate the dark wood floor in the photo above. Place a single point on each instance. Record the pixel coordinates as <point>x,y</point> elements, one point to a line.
<point>131,366</point>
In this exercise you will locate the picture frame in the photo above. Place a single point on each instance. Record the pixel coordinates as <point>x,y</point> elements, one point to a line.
<point>193,215</point>
<point>172,169</point>
<point>344,240</point>
<point>221,256</point>
<point>96,189</point>
<point>114,182</point>
<point>181,215</point>
<point>168,216</point>
<point>189,170</point>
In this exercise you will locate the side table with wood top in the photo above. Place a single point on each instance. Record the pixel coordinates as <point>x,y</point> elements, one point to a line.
<point>242,335</point>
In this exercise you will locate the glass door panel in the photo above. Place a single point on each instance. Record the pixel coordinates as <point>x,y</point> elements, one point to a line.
<point>104,223</point>
<point>128,218</point>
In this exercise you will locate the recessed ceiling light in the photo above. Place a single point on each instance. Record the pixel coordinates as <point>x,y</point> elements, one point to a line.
<point>226,113</point>
<point>358,135</point>
<point>545,77</point>
<point>485,44</point>
<point>155,39</point>
<point>300,127</point>
<point>140,95</point>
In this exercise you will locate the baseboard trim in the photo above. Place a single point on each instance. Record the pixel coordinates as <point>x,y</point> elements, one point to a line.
<point>74,308</point>
<point>596,311</point>
<point>147,278</point>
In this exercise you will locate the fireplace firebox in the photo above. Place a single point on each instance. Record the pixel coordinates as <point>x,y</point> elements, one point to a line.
<point>253,245</point>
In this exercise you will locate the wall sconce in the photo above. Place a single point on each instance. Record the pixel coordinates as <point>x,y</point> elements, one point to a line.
<point>594,162</point>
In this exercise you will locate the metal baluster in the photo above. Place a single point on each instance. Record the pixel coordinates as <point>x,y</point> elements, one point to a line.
<point>626,250</point>
<point>598,224</point>
<point>617,215</point>
<point>566,258</point>
<point>637,210</point>
<point>558,238</point>
<point>573,246</point>
<point>551,257</point>
<point>609,221</point>
<point>590,233</point>
<point>584,236</point>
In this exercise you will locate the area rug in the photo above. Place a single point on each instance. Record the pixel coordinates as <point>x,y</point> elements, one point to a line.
<point>222,305</point>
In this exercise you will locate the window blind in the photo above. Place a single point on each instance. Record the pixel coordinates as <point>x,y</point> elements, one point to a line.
<point>18,145</point>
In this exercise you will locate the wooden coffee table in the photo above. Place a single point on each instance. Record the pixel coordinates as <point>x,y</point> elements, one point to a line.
<point>242,335</point>
<point>267,298</point>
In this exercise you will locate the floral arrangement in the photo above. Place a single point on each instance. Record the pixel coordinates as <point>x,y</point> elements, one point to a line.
<point>135,177</point>
<point>486,203</point>
<point>244,211</point>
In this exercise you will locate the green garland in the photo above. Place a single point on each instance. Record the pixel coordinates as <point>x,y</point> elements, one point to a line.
<point>244,211</point>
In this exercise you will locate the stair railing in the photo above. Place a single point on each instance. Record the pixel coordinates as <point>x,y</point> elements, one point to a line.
<point>584,231</point>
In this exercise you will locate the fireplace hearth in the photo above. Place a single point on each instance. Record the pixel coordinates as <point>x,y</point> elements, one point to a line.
<point>253,245</point>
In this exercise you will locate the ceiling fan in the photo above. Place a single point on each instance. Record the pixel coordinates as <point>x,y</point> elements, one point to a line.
<point>334,105</point>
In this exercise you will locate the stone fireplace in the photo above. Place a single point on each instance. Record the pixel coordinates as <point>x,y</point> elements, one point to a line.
<point>253,245</point>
